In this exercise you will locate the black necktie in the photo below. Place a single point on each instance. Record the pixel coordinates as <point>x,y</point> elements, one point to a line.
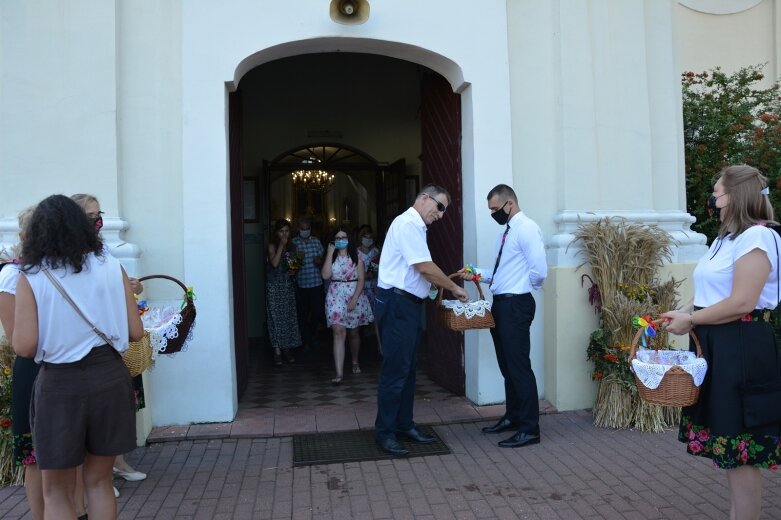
<point>499,256</point>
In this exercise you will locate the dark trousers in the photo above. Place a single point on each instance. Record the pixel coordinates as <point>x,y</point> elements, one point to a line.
<point>310,304</point>
<point>397,320</point>
<point>512,342</point>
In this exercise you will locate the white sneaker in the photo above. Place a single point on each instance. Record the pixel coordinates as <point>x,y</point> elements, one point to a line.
<point>116,493</point>
<point>130,476</point>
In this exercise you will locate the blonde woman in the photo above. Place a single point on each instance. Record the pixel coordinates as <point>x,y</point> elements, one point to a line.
<point>24,374</point>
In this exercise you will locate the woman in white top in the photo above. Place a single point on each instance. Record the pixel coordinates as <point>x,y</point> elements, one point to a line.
<point>82,405</point>
<point>736,285</point>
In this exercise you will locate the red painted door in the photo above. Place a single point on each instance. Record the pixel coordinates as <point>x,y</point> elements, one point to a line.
<point>241,348</point>
<point>441,158</point>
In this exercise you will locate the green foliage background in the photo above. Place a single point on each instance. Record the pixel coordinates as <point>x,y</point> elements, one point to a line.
<point>728,119</point>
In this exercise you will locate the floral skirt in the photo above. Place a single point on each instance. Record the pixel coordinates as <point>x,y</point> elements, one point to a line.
<point>736,352</point>
<point>728,452</point>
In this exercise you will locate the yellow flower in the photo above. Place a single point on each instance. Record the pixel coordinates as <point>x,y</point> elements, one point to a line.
<point>7,371</point>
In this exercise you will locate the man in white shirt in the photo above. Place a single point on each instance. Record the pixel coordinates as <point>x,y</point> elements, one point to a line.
<point>520,268</point>
<point>405,277</point>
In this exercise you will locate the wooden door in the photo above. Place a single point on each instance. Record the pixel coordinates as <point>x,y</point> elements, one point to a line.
<point>236,183</point>
<point>391,195</point>
<point>441,158</point>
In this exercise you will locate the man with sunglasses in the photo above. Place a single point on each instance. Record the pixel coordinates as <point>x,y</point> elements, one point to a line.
<point>405,277</point>
<point>520,268</point>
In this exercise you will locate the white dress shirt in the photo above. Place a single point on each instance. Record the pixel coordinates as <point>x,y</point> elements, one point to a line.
<point>715,271</point>
<point>523,266</point>
<point>405,245</point>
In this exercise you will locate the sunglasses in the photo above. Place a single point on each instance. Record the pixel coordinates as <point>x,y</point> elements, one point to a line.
<point>440,207</point>
<point>95,216</point>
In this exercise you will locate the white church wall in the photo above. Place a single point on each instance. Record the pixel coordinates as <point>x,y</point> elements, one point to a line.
<point>729,35</point>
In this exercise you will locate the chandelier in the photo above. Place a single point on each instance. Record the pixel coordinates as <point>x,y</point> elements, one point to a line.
<point>313,180</point>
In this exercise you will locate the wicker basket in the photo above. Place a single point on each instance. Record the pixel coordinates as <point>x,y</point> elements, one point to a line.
<point>677,387</point>
<point>188,316</point>
<point>447,318</point>
<point>138,356</point>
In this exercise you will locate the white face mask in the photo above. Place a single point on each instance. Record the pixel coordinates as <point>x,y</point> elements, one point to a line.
<point>367,242</point>
<point>305,233</point>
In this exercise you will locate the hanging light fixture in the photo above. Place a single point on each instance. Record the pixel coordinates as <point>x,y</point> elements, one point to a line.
<point>313,180</point>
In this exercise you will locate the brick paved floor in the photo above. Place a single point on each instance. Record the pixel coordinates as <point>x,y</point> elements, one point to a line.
<point>577,472</point>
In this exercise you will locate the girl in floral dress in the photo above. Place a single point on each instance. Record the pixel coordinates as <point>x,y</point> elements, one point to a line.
<point>346,307</point>
<point>369,254</point>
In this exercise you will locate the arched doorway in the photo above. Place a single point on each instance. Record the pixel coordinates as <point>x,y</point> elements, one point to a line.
<point>369,106</point>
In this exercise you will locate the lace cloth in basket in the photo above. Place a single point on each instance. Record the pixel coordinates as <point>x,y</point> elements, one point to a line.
<point>469,309</point>
<point>161,324</point>
<point>651,365</point>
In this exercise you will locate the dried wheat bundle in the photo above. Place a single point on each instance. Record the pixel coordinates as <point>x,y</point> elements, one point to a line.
<point>613,407</point>
<point>672,416</point>
<point>648,417</point>
<point>622,253</point>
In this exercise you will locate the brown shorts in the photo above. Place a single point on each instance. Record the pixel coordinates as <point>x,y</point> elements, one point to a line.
<point>82,407</point>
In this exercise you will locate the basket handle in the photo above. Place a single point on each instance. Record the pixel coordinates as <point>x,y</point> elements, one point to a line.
<point>453,276</point>
<point>166,277</point>
<point>638,335</point>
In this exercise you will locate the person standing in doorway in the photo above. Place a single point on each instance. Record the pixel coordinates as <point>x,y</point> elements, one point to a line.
<point>519,269</point>
<point>405,276</point>
<point>309,294</point>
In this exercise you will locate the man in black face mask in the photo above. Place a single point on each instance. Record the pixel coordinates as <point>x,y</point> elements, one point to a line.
<point>520,268</point>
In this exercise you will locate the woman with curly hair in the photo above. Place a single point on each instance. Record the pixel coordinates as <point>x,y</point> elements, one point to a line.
<point>75,313</point>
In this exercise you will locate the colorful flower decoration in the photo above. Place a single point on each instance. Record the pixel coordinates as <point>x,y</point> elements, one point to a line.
<point>476,277</point>
<point>647,324</point>
<point>189,294</point>
<point>142,306</point>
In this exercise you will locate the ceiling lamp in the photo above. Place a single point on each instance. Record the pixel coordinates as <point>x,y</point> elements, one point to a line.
<point>313,180</point>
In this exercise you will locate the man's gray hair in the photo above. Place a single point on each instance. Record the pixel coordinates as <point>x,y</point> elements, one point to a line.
<point>432,190</point>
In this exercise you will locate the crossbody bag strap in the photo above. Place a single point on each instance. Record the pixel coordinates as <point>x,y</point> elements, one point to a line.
<point>67,297</point>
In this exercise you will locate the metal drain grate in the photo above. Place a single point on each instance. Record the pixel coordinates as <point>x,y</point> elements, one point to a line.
<point>354,446</point>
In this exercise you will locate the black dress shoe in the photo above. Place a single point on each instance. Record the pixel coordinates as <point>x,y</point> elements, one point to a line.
<point>520,439</point>
<point>414,434</point>
<point>501,426</point>
<point>392,447</point>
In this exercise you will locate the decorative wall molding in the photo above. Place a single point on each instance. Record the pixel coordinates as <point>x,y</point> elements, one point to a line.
<point>113,230</point>
<point>720,6</point>
<point>688,246</point>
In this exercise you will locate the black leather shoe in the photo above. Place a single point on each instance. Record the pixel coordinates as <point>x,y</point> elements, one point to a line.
<point>501,426</point>
<point>392,447</point>
<point>414,434</point>
<point>520,439</point>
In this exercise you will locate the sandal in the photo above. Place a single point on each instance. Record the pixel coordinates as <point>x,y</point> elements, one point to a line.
<point>336,381</point>
<point>277,359</point>
<point>356,368</point>
<point>289,357</point>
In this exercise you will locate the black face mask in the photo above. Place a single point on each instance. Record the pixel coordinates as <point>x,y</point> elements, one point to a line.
<point>713,210</point>
<point>500,216</point>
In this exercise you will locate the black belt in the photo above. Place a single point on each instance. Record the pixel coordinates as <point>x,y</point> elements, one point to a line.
<point>344,281</point>
<point>407,295</point>
<point>505,296</point>
<point>755,315</point>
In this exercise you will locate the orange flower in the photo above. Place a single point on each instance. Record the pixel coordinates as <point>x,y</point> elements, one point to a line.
<point>610,357</point>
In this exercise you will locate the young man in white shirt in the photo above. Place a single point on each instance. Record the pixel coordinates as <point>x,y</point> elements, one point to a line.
<point>520,268</point>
